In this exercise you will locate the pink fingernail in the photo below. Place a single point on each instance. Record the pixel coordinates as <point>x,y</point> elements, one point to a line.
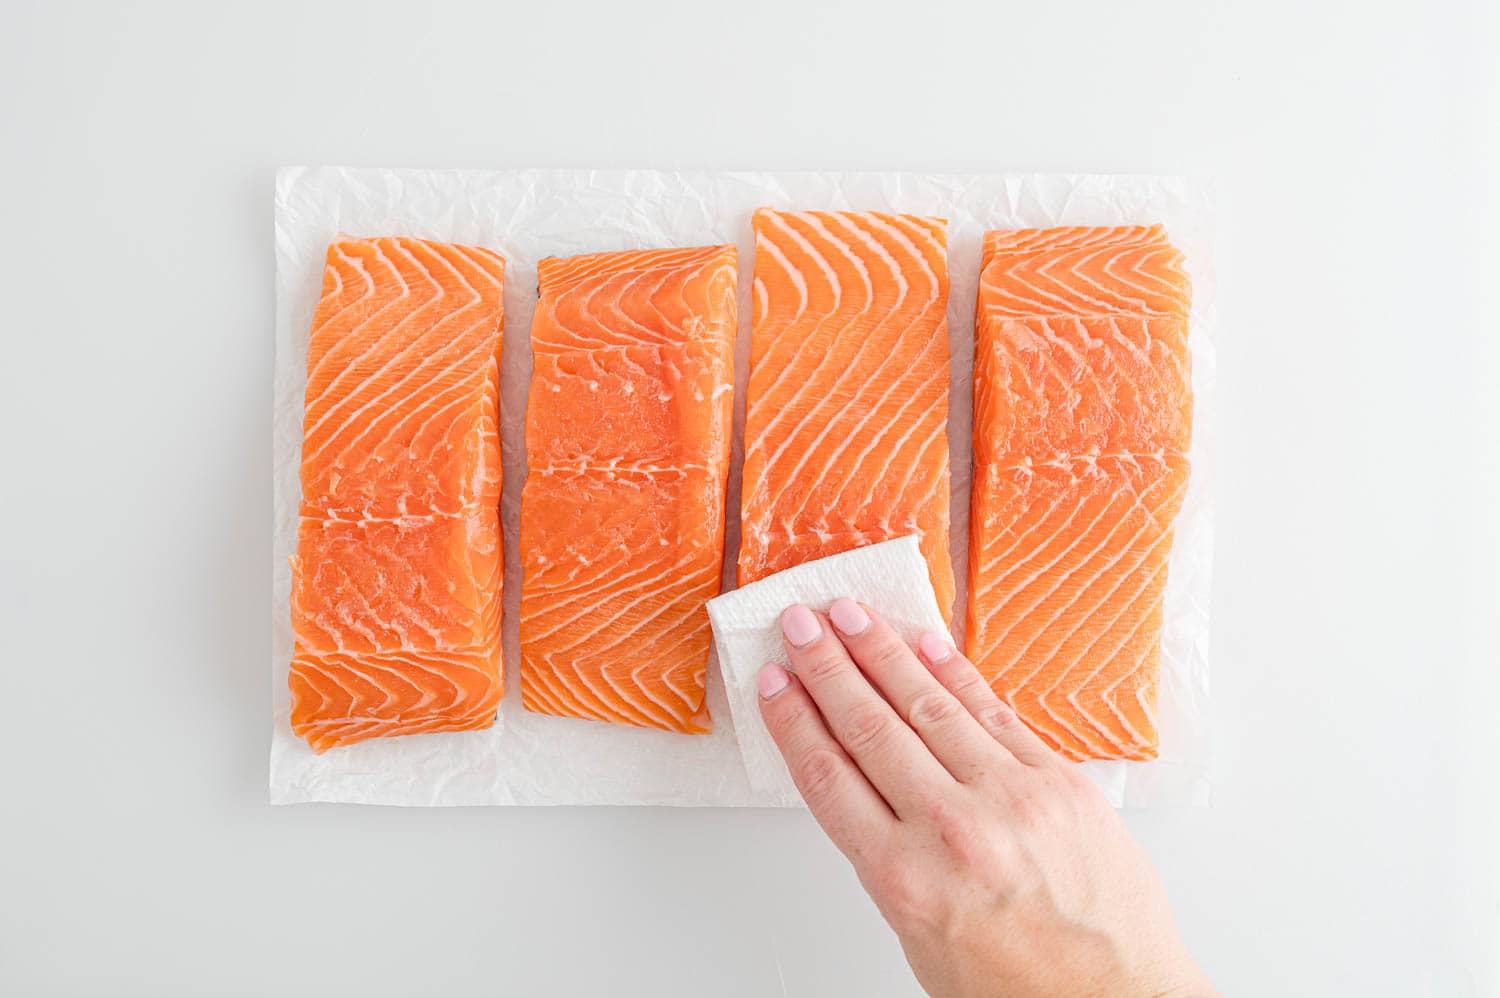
<point>771,680</point>
<point>800,626</point>
<point>849,617</point>
<point>934,647</point>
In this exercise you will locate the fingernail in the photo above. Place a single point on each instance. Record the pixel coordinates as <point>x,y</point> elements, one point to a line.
<point>848,616</point>
<point>771,680</point>
<point>800,626</point>
<point>934,647</point>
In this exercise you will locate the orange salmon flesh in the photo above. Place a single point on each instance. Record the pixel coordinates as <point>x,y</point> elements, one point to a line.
<point>846,420</point>
<point>622,515</point>
<point>397,576</point>
<point>1082,419</point>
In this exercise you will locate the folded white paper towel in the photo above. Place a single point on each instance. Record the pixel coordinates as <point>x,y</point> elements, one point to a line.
<point>891,577</point>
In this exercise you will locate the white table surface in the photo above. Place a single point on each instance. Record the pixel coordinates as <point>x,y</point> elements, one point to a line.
<point>1352,848</point>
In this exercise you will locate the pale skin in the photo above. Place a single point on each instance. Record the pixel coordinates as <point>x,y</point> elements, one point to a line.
<point>1001,868</point>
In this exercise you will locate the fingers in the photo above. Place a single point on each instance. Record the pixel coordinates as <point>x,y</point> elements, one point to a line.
<point>886,750</point>
<point>952,733</point>
<point>958,675</point>
<point>855,817</point>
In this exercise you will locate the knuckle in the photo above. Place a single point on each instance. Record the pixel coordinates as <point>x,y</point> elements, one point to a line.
<point>1025,811</point>
<point>956,829</point>
<point>817,774</point>
<point>970,839</point>
<point>969,684</point>
<point>902,897</point>
<point>867,728</point>
<point>1069,775</point>
<point>797,741</point>
<point>1000,718</point>
<point>933,708</point>
<point>1076,780</point>
<point>821,667</point>
<point>1032,810</point>
<point>889,656</point>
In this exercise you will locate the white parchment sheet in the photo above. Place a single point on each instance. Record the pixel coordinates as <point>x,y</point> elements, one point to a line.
<point>530,214</point>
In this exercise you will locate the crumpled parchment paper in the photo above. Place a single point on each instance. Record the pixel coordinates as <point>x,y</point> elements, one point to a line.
<point>530,214</point>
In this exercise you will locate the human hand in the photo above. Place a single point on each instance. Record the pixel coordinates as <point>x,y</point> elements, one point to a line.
<point>999,865</point>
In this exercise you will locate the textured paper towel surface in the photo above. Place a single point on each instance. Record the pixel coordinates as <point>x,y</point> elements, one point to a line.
<point>891,576</point>
<point>530,214</point>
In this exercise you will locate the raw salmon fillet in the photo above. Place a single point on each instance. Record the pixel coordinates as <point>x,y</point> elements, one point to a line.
<point>1082,418</point>
<point>396,580</point>
<point>622,516</point>
<point>846,422</point>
